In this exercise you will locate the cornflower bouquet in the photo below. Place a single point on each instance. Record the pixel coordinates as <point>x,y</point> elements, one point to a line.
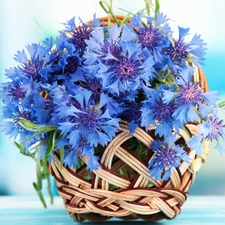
<point>71,97</point>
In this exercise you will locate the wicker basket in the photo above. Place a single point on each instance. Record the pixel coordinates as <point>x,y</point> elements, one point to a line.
<point>122,186</point>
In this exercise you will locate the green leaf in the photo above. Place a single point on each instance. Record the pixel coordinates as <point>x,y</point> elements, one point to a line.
<point>39,167</point>
<point>148,4</point>
<point>38,171</point>
<point>222,104</point>
<point>26,124</point>
<point>186,132</point>
<point>149,185</point>
<point>23,150</point>
<point>51,143</point>
<point>40,195</point>
<point>61,154</point>
<point>157,6</point>
<point>108,8</point>
<point>56,161</point>
<point>49,189</point>
<point>102,4</point>
<point>50,148</point>
<point>36,145</point>
<point>126,19</point>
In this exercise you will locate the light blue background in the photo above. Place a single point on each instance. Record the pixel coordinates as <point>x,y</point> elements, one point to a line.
<point>26,21</point>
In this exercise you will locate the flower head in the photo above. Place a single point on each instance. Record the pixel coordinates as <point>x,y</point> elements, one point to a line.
<point>212,129</point>
<point>117,60</point>
<point>132,113</point>
<point>84,119</point>
<point>167,155</point>
<point>153,35</point>
<point>71,158</point>
<point>190,100</point>
<point>13,91</point>
<point>32,64</point>
<point>11,116</point>
<point>62,65</point>
<point>180,51</point>
<point>78,35</point>
<point>157,112</point>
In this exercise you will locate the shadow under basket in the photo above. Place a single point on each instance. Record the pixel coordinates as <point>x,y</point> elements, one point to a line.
<point>122,187</point>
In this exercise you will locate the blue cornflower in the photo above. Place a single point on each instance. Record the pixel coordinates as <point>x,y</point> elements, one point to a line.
<point>77,35</point>
<point>42,107</point>
<point>93,161</point>
<point>20,91</point>
<point>81,150</point>
<point>181,51</point>
<point>132,114</point>
<point>158,113</point>
<point>190,100</point>
<point>26,78</point>
<point>92,84</point>
<point>212,129</point>
<point>153,35</point>
<point>13,73</point>
<point>26,94</point>
<point>104,45</point>
<point>119,62</point>
<point>95,86</point>
<point>12,91</point>
<point>167,155</point>
<point>59,93</point>
<point>85,120</point>
<point>71,156</point>
<point>32,64</point>
<point>71,159</point>
<point>63,64</point>
<point>11,114</point>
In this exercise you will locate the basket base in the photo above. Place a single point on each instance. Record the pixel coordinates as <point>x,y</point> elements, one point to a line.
<point>94,217</point>
<point>122,187</point>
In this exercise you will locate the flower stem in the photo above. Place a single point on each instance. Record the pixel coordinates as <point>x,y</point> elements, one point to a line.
<point>108,8</point>
<point>112,13</point>
<point>157,6</point>
<point>149,6</point>
<point>222,104</point>
<point>49,189</point>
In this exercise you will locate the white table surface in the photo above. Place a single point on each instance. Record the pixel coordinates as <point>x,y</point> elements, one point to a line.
<point>19,210</point>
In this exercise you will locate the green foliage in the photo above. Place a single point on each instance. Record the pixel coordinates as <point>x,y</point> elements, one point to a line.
<point>150,8</point>
<point>26,124</point>
<point>34,152</point>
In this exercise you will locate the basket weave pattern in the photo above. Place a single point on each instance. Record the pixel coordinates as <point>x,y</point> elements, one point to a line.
<point>131,197</point>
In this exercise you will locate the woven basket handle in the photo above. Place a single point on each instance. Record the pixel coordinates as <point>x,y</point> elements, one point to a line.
<point>202,79</point>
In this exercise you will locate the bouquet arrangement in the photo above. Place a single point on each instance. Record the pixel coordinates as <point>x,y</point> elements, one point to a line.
<point>70,97</point>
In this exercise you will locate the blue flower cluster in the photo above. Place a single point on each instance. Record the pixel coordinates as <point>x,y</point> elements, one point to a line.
<point>92,76</point>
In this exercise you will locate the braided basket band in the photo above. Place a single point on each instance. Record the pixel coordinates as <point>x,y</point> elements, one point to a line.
<point>131,196</point>
<point>122,186</point>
